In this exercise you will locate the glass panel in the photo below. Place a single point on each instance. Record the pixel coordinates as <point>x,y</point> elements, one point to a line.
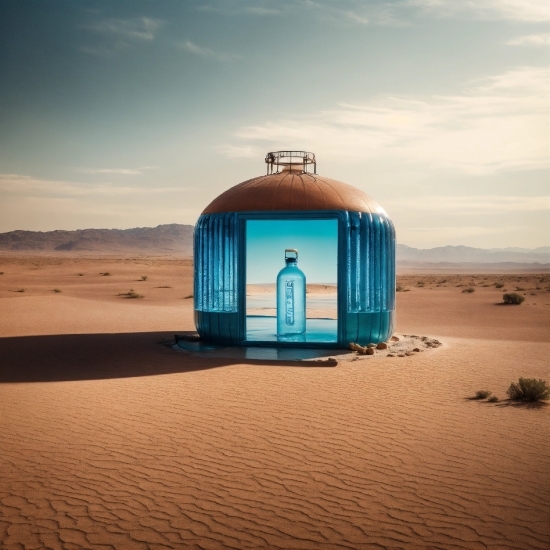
<point>282,293</point>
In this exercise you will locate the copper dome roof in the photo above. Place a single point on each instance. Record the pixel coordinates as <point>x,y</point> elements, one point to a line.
<point>292,189</point>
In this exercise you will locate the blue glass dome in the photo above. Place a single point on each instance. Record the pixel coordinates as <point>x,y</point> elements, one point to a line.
<point>365,289</point>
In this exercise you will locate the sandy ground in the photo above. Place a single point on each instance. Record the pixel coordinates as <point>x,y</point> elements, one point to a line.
<point>110,440</point>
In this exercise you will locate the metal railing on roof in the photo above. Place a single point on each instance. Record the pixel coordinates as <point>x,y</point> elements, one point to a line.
<point>290,158</point>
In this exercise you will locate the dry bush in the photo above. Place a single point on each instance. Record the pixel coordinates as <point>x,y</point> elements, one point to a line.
<point>498,285</point>
<point>482,394</point>
<point>106,274</point>
<point>529,389</point>
<point>131,294</point>
<point>493,399</point>
<point>56,290</point>
<point>469,290</point>
<point>144,277</point>
<point>513,298</point>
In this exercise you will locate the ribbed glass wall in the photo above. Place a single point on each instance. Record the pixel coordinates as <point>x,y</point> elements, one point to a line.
<point>365,276</point>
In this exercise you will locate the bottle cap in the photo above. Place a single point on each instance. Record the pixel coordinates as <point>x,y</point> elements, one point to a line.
<point>291,258</point>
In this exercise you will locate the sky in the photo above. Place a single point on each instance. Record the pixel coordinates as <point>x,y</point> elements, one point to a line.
<point>315,240</point>
<point>119,113</point>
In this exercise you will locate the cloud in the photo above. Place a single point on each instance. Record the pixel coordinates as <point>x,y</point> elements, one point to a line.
<point>518,10</point>
<point>27,186</point>
<point>258,10</point>
<point>530,40</point>
<point>494,125</point>
<point>116,171</point>
<point>207,52</point>
<point>137,29</point>
<point>470,204</point>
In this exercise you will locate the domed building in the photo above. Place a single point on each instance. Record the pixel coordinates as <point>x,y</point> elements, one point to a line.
<point>358,231</point>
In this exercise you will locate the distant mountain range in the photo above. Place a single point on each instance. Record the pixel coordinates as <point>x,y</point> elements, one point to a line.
<point>163,239</point>
<point>459,254</point>
<point>177,239</point>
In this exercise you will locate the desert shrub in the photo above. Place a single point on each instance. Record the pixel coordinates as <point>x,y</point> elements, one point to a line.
<point>1,273</point>
<point>513,298</point>
<point>188,296</point>
<point>144,277</point>
<point>399,288</point>
<point>56,290</point>
<point>469,290</point>
<point>420,283</point>
<point>498,285</point>
<point>106,274</point>
<point>493,399</point>
<point>529,389</point>
<point>81,274</point>
<point>482,394</point>
<point>442,281</point>
<point>519,288</point>
<point>131,294</point>
<point>20,290</point>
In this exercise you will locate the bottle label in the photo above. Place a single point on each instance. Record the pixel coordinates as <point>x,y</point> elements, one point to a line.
<point>289,303</point>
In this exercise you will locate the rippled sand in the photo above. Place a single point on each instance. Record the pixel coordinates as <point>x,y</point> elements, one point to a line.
<point>111,440</point>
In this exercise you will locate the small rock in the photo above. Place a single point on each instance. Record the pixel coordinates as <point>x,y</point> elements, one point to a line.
<point>371,345</point>
<point>400,355</point>
<point>409,353</point>
<point>382,345</point>
<point>394,338</point>
<point>370,351</point>
<point>416,349</point>
<point>390,355</point>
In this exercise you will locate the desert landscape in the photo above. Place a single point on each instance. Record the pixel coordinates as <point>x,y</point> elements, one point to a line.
<point>111,439</point>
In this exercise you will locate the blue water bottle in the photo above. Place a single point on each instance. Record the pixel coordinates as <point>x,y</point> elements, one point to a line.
<point>291,298</point>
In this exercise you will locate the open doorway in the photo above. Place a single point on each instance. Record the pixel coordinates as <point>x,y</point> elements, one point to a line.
<point>317,244</point>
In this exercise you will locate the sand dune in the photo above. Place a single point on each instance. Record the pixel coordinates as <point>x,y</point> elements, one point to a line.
<point>111,440</point>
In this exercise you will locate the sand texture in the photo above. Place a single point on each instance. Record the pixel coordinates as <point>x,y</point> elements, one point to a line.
<point>111,440</point>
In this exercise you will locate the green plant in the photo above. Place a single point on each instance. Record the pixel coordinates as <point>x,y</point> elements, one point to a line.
<point>529,389</point>
<point>513,298</point>
<point>482,394</point>
<point>130,294</point>
<point>493,399</point>
<point>144,277</point>
<point>469,290</point>
<point>56,290</point>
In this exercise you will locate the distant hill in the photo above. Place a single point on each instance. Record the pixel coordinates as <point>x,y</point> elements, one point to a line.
<point>177,239</point>
<point>164,239</point>
<point>461,254</point>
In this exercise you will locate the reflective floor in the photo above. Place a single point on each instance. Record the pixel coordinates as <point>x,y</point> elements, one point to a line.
<point>261,328</point>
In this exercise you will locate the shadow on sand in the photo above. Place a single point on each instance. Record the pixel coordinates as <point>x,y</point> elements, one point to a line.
<point>69,357</point>
<point>510,403</point>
